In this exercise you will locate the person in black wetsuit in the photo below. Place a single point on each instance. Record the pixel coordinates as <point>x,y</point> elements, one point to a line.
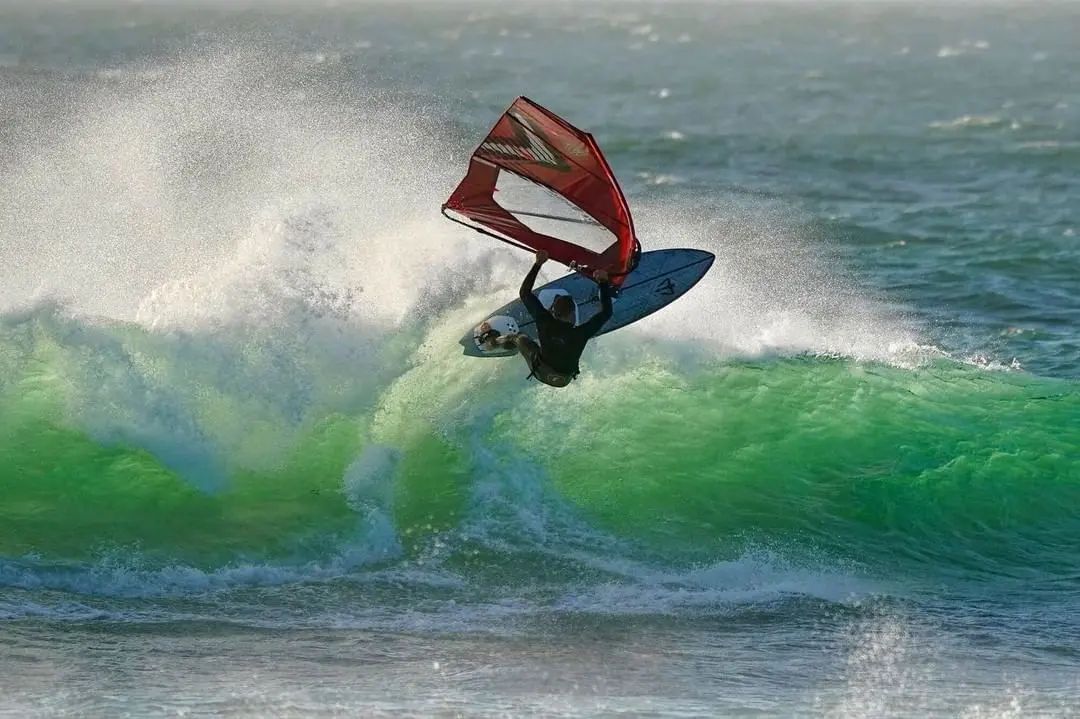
<point>555,360</point>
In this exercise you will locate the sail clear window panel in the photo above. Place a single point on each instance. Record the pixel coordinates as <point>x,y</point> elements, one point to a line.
<point>543,211</point>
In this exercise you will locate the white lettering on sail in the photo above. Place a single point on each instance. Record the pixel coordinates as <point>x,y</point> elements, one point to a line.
<point>533,148</point>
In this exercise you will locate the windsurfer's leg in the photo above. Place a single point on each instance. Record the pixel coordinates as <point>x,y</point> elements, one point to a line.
<point>524,344</point>
<point>528,348</point>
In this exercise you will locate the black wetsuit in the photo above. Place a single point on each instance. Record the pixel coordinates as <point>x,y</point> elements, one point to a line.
<point>561,343</point>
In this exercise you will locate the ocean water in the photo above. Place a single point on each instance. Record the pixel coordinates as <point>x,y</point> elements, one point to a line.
<point>245,470</point>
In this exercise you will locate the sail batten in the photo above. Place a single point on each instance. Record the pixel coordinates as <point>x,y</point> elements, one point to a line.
<point>540,183</point>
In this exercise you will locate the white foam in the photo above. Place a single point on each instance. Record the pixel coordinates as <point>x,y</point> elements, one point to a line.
<point>756,577</point>
<point>125,573</point>
<point>772,290</point>
<point>964,47</point>
<point>271,229</point>
<point>969,121</point>
<point>308,226</point>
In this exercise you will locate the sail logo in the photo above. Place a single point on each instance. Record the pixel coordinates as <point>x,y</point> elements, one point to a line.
<point>527,145</point>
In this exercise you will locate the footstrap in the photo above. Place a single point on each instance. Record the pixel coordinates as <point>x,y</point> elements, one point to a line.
<point>487,335</point>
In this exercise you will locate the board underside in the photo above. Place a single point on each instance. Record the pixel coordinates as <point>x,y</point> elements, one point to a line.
<point>661,277</point>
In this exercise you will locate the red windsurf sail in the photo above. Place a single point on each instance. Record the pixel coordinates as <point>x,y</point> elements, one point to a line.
<point>539,183</point>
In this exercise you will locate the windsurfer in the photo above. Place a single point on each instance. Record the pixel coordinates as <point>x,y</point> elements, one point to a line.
<point>554,361</point>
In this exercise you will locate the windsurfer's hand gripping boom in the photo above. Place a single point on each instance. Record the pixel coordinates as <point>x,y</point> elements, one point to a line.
<point>600,276</point>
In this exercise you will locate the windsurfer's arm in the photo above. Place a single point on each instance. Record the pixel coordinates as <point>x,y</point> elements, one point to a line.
<point>597,321</point>
<point>532,304</point>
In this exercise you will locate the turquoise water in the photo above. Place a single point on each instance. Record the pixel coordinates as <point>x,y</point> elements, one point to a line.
<point>245,469</point>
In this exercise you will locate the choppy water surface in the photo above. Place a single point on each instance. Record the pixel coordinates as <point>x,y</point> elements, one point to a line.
<point>244,468</point>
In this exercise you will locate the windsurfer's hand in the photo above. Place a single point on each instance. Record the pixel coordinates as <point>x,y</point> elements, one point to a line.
<point>600,276</point>
<point>542,256</point>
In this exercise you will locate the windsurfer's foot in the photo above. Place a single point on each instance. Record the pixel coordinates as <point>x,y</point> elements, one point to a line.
<point>487,337</point>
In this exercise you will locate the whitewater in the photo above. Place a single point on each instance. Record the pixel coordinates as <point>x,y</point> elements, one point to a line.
<point>246,470</point>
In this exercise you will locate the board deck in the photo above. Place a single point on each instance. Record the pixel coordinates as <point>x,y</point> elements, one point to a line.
<point>661,277</point>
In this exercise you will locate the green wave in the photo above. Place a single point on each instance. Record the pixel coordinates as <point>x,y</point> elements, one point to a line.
<point>66,496</point>
<point>950,467</point>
